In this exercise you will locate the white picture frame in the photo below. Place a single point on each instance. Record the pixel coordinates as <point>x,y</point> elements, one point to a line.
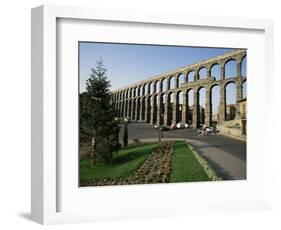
<point>46,181</point>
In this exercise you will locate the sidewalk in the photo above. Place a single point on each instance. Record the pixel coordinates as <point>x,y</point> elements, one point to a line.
<point>227,166</point>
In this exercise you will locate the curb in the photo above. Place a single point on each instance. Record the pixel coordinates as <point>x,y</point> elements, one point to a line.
<point>206,167</point>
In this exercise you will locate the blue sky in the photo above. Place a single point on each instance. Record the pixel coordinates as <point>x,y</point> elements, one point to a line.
<point>127,63</point>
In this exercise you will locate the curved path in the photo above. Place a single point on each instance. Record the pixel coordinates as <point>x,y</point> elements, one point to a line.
<point>226,155</point>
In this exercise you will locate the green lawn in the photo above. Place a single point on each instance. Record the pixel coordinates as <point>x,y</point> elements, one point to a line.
<point>185,166</point>
<point>125,162</point>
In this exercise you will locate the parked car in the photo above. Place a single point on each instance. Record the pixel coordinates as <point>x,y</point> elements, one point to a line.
<point>180,125</point>
<point>209,130</point>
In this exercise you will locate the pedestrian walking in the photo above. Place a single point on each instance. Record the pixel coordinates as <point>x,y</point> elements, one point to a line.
<point>215,129</point>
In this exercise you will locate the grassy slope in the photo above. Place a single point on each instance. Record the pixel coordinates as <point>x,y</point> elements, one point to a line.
<point>185,166</point>
<point>125,162</point>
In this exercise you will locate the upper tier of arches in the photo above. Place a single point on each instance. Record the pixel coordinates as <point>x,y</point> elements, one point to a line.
<point>219,68</point>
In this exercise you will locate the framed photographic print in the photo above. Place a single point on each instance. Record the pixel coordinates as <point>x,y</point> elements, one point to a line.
<point>139,115</point>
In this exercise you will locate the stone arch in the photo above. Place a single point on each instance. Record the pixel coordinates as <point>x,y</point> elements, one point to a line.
<point>179,106</point>
<point>170,101</point>
<point>202,73</point>
<point>147,107</point>
<point>157,86</point>
<point>150,88</point>
<point>155,101</point>
<point>190,76</point>
<point>230,100</point>
<point>122,109</point>
<point>142,108</point>
<point>230,68</point>
<point>140,91</point>
<point>145,89</point>
<point>129,108</point>
<point>214,104</point>
<point>215,71</point>
<point>180,80</point>
<point>134,109</point>
<point>201,94</point>
<point>138,102</point>
<point>172,82</point>
<point>244,66</point>
<point>189,105</point>
<point>163,85</point>
<point>162,107</point>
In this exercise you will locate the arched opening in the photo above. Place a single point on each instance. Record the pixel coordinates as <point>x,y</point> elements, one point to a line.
<point>145,89</point>
<point>202,73</point>
<point>150,88</point>
<point>215,99</point>
<point>179,107</point>
<point>155,108</point>
<point>181,79</point>
<point>157,86</point>
<point>140,90</point>
<point>122,109</point>
<point>190,76</point>
<point>244,66</point>
<point>162,107</point>
<point>170,102</point>
<point>230,69</point>
<point>216,71</point>
<point>244,89</point>
<point>134,92</point>
<point>201,106</point>
<point>230,98</point>
<point>138,109</point>
<point>134,109</point>
<point>148,109</point>
<point>189,105</point>
<point>129,108</point>
<point>172,82</point>
<point>142,109</point>
<point>164,85</point>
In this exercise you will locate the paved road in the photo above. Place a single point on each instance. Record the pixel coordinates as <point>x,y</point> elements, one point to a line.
<point>226,155</point>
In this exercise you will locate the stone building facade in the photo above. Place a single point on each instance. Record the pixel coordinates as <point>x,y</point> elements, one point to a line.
<point>156,100</point>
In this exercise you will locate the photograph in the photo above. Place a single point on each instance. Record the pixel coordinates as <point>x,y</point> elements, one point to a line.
<point>151,114</point>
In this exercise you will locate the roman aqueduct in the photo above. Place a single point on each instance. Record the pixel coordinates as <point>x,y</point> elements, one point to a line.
<point>164,99</point>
